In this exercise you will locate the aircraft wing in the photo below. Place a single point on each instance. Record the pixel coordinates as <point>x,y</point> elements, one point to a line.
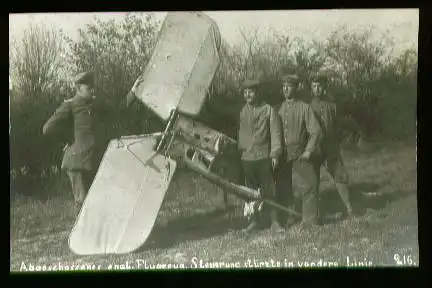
<point>124,200</point>
<point>182,65</point>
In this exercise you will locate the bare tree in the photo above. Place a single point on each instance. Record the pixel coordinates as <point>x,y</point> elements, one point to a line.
<point>34,63</point>
<point>35,60</point>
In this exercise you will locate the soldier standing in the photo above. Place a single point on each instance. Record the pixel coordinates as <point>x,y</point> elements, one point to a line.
<point>331,158</point>
<point>259,142</point>
<point>302,134</point>
<point>78,158</point>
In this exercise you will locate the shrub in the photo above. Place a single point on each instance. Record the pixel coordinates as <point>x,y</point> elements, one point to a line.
<point>35,61</point>
<point>375,92</point>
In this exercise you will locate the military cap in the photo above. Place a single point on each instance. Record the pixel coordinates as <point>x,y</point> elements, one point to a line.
<point>85,78</point>
<point>320,78</point>
<point>290,78</point>
<point>250,83</point>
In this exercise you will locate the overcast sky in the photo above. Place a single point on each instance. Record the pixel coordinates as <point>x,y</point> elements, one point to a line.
<point>402,24</point>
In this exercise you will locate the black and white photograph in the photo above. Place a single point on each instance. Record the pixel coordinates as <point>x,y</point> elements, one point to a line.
<point>205,140</point>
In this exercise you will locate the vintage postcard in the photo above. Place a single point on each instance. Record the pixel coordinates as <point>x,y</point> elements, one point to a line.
<point>213,140</point>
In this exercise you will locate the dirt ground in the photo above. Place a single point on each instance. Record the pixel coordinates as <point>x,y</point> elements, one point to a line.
<point>194,230</point>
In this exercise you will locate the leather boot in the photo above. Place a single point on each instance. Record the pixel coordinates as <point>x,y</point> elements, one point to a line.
<point>298,205</point>
<point>275,226</point>
<point>77,208</point>
<point>254,225</point>
<point>344,194</point>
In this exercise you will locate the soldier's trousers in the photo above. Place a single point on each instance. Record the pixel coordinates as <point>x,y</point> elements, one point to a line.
<point>259,175</point>
<point>80,182</point>
<point>334,166</point>
<point>305,201</point>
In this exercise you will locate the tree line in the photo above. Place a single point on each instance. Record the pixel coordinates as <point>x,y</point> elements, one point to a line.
<point>375,92</point>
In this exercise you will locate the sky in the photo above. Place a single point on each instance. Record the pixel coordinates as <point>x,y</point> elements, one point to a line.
<point>402,24</point>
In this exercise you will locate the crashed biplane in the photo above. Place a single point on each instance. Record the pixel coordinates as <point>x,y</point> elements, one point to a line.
<point>124,199</point>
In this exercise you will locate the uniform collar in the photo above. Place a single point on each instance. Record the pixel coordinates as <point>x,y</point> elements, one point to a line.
<point>291,101</point>
<point>82,99</point>
<point>315,100</point>
<point>255,105</point>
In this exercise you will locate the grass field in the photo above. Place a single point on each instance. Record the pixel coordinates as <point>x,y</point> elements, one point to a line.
<point>194,228</point>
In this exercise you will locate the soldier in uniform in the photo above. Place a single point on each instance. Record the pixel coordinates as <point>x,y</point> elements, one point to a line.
<point>331,158</point>
<point>259,143</point>
<point>301,135</point>
<point>78,159</point>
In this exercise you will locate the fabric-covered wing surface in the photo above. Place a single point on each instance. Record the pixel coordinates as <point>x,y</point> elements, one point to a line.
<point>182,65</point>
<point>123,202</point>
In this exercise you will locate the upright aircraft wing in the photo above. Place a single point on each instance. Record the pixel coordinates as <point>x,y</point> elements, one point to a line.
<point>182,65</point>
<point>124,199</point>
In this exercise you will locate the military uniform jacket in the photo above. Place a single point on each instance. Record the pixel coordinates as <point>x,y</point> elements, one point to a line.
<point>80,154</point>
<point>260,133</point>
<point>327,116</point>
<point>301,129</point>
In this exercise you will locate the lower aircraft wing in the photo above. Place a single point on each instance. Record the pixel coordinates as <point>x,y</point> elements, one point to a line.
<point>124,200</point>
